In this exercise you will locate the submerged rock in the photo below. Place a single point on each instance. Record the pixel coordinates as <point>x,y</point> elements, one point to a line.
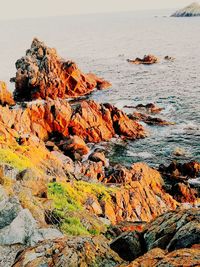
<point>189,11</point>
<point>42,73</point>
<point>146,60</point>
<point>149,119</point>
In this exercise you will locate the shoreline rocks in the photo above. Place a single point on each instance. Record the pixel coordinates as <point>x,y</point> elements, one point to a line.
<point>42,73</point>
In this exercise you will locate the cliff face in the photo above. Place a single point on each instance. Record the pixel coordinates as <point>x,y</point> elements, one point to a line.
<point>189,11</point>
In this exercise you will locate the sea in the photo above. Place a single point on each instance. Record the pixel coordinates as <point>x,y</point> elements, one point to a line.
<point>102,43</point>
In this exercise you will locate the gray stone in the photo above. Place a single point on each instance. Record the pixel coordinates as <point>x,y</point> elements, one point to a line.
<point>20,229</point>
<point>9,208</point>
<point>44,234</point>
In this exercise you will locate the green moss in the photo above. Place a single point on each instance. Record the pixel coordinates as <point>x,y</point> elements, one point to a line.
<point>20,162</point>
<point>73,226</point>
<point>71,197</point>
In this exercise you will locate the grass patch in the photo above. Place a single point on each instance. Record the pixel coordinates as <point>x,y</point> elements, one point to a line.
<point>71,197</point>
<point>17,161</point>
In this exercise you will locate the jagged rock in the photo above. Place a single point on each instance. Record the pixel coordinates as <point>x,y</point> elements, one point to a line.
<point>149,119</point>
<point>159,258</point>
<point>74,251</point>
<point>171,231</point>
<point>41,73</point>
<point>141,196</point>
<point>174,230</point>
<point>189,11</point>
<point>95,123</point>
<point>176,177</point>
<point>5,96</point>
<point>147,60</point>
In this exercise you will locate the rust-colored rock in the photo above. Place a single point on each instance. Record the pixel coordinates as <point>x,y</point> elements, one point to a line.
<point>5,96</point>
<point>140,196</point>
<point>41,73</point>
<point>159,258</point>
<point>95,123</point>
<point>74,146</point>
<point>147,60</point>
<point>176,177</point>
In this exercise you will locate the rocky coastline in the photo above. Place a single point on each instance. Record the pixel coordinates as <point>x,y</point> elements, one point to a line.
<point>62,203</point>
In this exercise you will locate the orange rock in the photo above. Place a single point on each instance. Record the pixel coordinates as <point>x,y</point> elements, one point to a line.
<point>158,257</point>
<point>42,73</point>
<point>5,96</point>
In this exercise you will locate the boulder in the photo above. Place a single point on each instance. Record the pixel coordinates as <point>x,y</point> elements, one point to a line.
<point>42,73</point>
<point>69,251</point>
<point>174,230</point>
<point>128,246</point>
<point>74,146</point>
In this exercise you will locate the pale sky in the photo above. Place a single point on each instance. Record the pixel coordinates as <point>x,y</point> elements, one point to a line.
<point>43,8</point>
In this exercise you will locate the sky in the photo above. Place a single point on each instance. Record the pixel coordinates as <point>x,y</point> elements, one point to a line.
<point>11,9</point>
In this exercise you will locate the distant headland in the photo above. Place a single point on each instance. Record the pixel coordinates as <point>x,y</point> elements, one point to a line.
<point>189,11</point>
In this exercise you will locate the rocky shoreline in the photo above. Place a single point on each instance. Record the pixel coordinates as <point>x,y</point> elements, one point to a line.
<point>62,202</point>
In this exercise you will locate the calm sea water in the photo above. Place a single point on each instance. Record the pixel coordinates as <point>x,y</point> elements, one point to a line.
<point>101,44</point>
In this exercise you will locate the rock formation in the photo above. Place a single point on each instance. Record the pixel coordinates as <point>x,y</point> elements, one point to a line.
<point>146,60</point>
<point>41,73</point>
<point>189,11</point>
<point>171,231</point>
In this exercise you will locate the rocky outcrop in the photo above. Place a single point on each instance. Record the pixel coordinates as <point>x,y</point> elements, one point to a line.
<point>171,231</point>
<point>5,96</point>
<point>192,10</point>
<point>90,121</point>
<point>177,176</point>
<point>41,73</point>
<point>159,258</point>
<point>69,251</point>
<point>146,60</point>
<point>140,196</point>
<point>100,122</point>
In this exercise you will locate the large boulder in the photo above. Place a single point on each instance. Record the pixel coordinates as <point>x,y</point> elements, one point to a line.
<point>69,251</point>
<point>171,231</point>
<point>42,73</point>
<point>174,230</point>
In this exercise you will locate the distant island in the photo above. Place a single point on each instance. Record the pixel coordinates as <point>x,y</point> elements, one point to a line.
<point>189,11</point>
